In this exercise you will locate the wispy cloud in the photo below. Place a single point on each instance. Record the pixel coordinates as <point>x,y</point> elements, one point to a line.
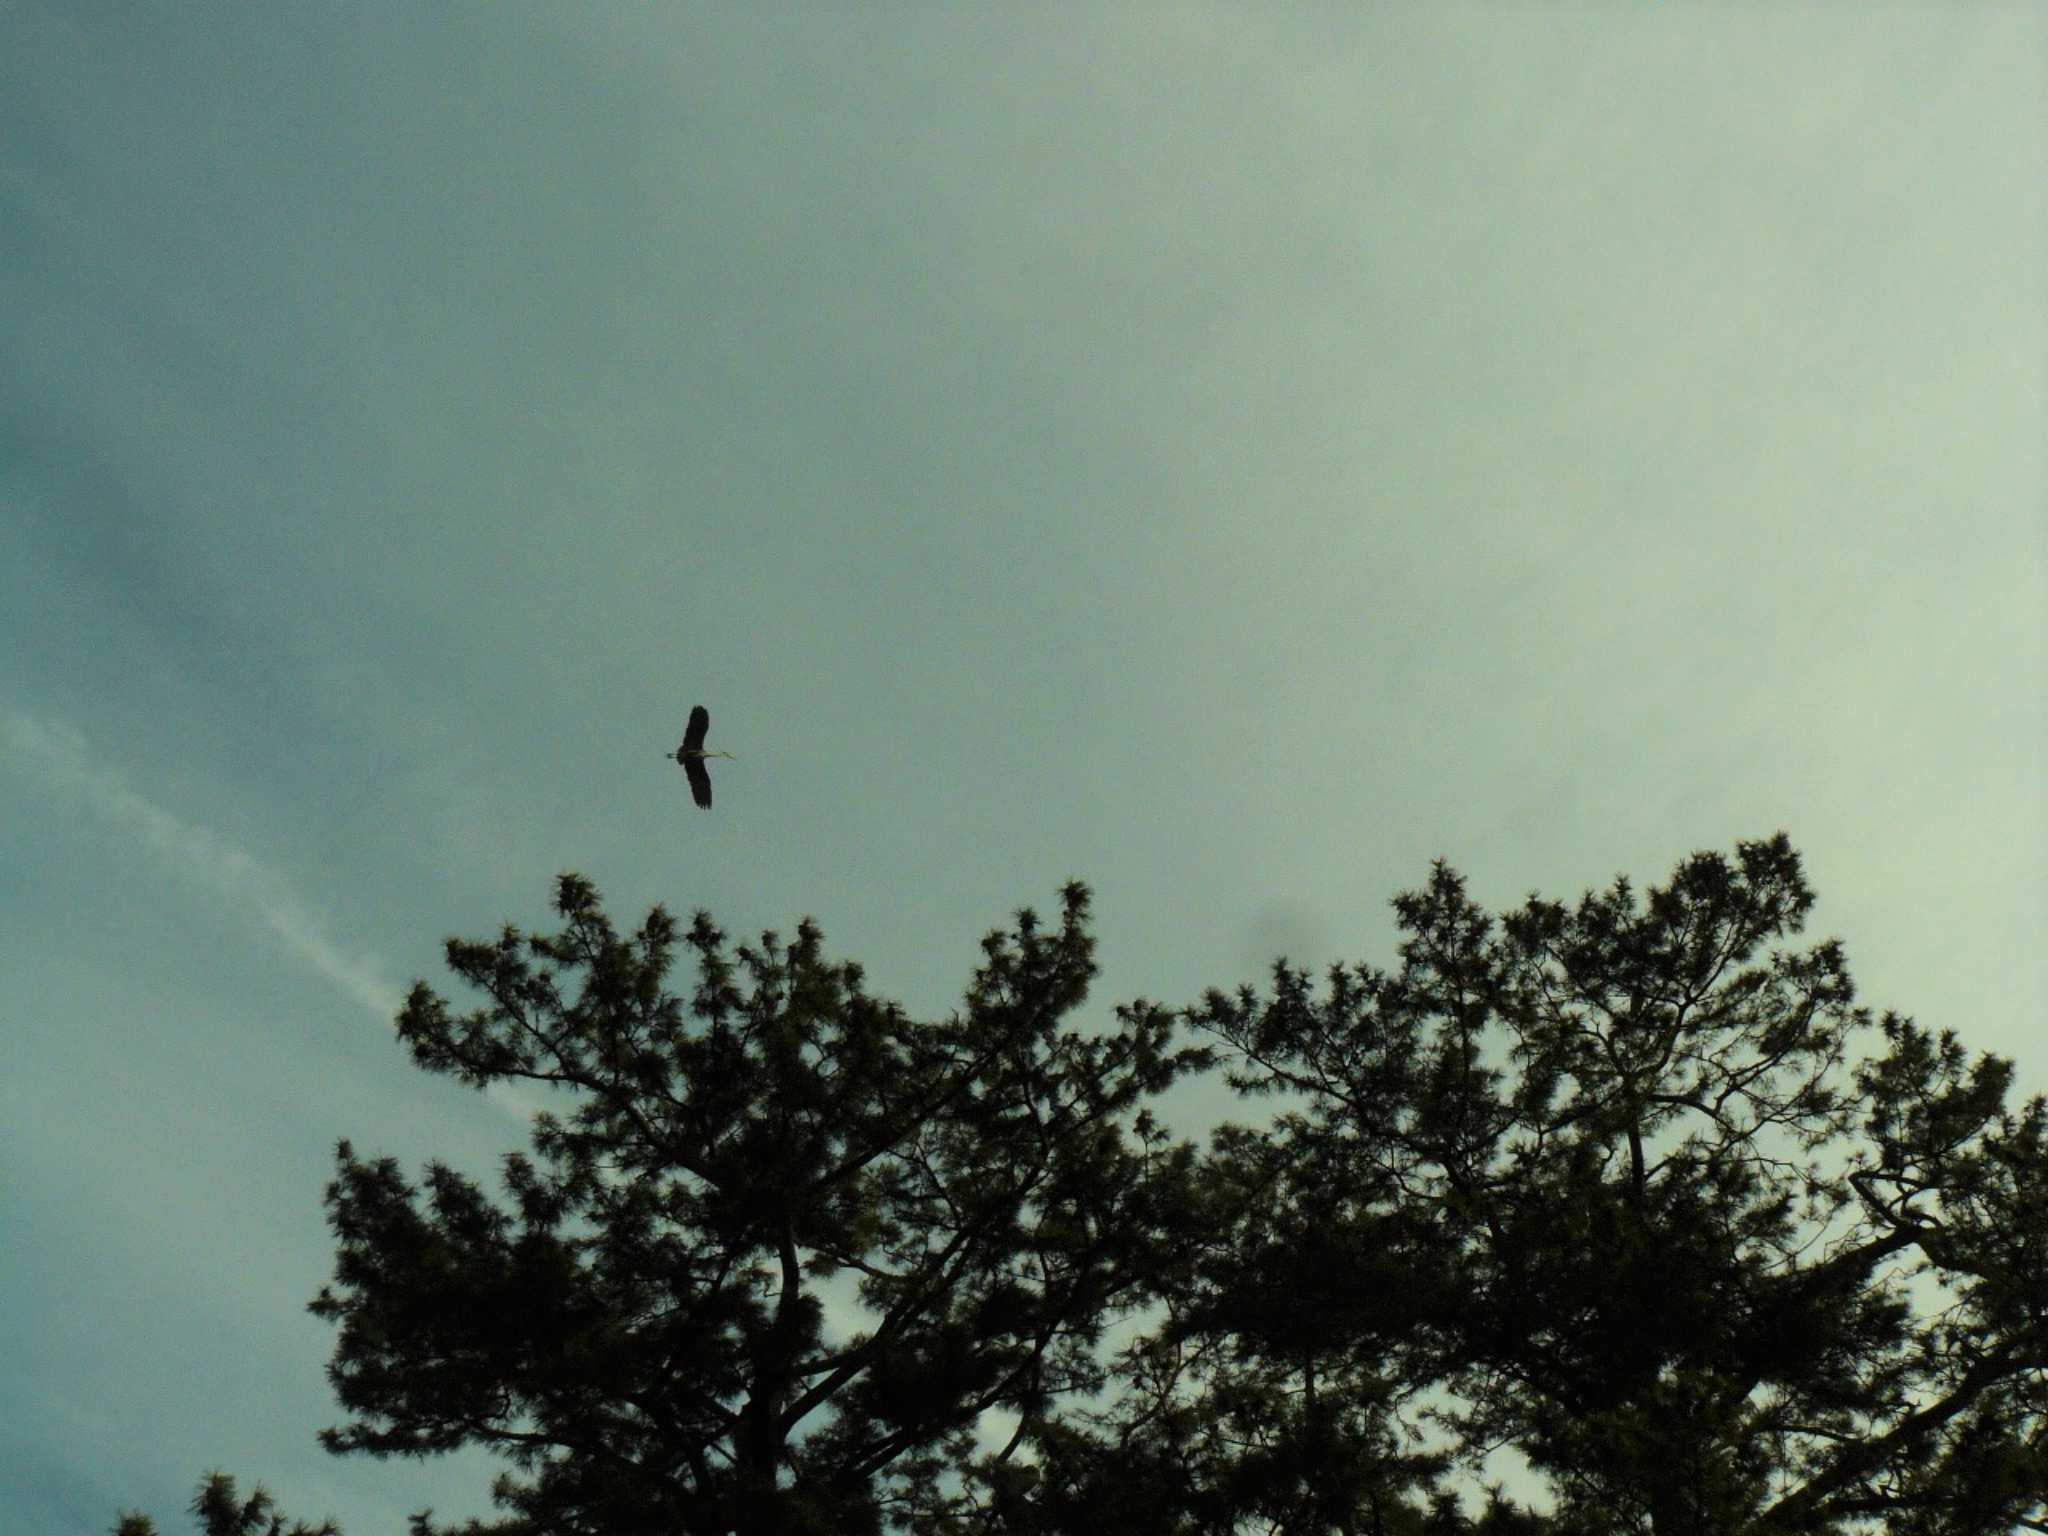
<point>59,752</point>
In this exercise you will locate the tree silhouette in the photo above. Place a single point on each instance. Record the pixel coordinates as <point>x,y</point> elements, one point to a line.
<point>1613,1243</point>
<point>651,1372</point>
<point>1605,1246</point>
<point>218,1513</point>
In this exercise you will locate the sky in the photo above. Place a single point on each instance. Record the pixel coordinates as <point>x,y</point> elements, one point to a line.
<point>1230,456</point>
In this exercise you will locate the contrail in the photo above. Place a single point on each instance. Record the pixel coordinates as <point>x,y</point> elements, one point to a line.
<point>60,753</point>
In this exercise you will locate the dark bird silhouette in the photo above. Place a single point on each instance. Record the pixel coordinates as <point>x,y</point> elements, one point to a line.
<point>691,755</point>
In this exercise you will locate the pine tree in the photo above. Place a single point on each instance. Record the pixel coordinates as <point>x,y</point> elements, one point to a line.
<point>640,1335</point>
<point>1619,1247</point>
<point>1599,1184</point>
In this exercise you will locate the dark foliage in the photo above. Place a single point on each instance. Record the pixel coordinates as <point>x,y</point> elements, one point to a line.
<point>1596,1183</point>
<point>1624,1252</point>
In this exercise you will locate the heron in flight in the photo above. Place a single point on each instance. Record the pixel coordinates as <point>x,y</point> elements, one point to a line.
<point>691,755</point>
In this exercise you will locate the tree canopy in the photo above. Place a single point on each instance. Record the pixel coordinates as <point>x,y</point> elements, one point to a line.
<point>1601,1184</point>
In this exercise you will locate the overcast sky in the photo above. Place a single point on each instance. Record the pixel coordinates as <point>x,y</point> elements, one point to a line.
<point>1228,457</point>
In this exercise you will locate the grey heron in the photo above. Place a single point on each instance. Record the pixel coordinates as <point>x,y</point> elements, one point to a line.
<point>691,755</point>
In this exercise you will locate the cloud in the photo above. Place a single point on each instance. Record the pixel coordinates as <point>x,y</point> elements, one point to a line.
<point>60,753</point>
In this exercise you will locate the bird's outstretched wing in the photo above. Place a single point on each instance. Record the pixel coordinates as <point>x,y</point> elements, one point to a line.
<point>700,778</point>
<point>700,726</point>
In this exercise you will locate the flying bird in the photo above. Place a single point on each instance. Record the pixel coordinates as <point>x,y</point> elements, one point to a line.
<point>691,755</point>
